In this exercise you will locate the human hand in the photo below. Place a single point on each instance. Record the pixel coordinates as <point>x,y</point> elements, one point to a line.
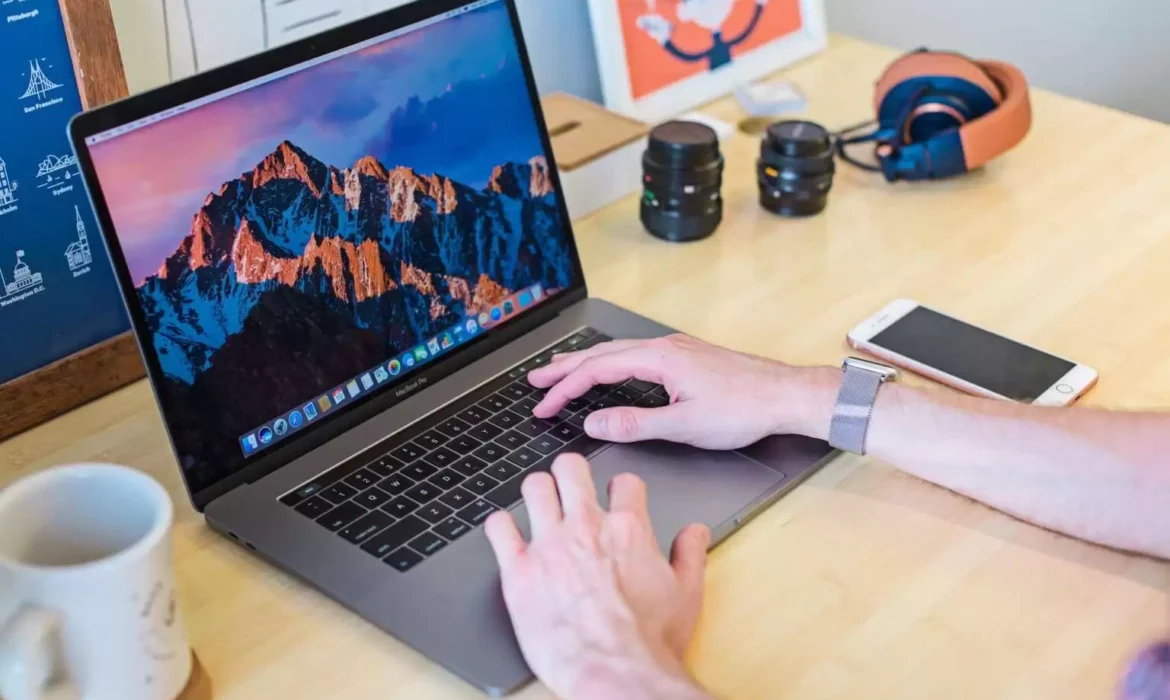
<point>598,611</point>
<point>658,27</point>
<point>720,399</point>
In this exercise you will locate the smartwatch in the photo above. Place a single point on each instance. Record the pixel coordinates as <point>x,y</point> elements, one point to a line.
<point>855,402</point>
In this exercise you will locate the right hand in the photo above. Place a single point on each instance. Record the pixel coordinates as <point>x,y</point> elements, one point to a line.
<point>658,27</point>
<point>720,399</point>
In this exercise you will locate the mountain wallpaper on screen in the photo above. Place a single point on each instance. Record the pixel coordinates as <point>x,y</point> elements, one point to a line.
<point>297,275</point>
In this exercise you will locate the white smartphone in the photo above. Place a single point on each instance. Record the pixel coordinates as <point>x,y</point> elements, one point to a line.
<point>920,339</point>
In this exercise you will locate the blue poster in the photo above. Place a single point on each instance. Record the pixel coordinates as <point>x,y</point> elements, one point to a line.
<point>57,289</point>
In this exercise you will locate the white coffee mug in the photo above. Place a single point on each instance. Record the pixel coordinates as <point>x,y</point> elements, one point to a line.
<point>87,588</point>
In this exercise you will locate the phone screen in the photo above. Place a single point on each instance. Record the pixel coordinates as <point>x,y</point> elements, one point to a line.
<point>974,355</point>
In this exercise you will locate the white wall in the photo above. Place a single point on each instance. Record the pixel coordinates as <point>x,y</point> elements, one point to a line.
<point>1112,52</point>
<point>557,33</point>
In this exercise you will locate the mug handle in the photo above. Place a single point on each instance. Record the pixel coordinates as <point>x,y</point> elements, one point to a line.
<point>31,663</point>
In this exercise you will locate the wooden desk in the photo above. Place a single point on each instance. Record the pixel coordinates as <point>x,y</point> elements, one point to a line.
<point>864,583</point>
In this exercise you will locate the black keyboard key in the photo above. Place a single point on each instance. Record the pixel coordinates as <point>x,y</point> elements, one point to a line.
<point>506,419</point>
<point>477,512</point>
<point>541,360</point>
<point>577,405</point>
<point>661,391</point>
<point>474,415</point>
<point>366,527</point>
<point>314,507</point>
<point>511,440</point>
<point>577,421</point>
<point>480,484</point>
<point>339,493</point>
<point>602,404</point>
<point>457,497</point>
<point>304,492</point>
<point>563,414</point>
<point>595,394</point>
<point>396,484</point>
<point>491,452</point>
<point>453,427</point>
<point>468,465</point>
<point>441,457</point>
<point>341,516</point>
<point>431,439</point>
<point>423,492</point>
<point>464,444</point>
<point>565,432</point>
<point>446,479</point>
<point>546,444</point>
<point>624,396</point>
<point>495,403</point>
<point>434,512</point>
<point>419,471</point>
<point>395,536</point>
<point>652,401</point>
<point>373,497</point>
<point>400,507</point>
<point>502,471</point>
<point>452,529</point>
<point>408,452</point>
<point>404,559</point>
<point>524,406</point>
<point>533,427</point>
<point>384,466</point>
<point>524,457</point>
<point>640,386</point>
<point>484,432</point>
<point>427,543</point>
<point>571,343</point>
<point>362,479</point>
<point>516,391</point>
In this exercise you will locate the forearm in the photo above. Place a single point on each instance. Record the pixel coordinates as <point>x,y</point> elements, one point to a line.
<point>1096,475</point>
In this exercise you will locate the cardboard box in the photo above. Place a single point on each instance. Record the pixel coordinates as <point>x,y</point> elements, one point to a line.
<point>598,152</point>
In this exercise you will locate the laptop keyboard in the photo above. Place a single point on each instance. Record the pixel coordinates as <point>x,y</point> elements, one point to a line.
<point>410,496</point>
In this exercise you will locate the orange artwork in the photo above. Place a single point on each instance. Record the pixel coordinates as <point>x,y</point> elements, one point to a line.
<point>671,40</point>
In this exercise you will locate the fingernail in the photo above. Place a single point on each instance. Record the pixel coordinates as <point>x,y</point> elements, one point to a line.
<point>595,426</point>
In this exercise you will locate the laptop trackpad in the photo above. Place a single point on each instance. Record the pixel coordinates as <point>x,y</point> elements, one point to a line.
<point>685,485</point>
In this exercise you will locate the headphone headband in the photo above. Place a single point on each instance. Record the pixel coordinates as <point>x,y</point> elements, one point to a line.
<point>973,111</point>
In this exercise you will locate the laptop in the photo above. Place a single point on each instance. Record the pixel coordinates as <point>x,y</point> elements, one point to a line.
<point>341,259</point>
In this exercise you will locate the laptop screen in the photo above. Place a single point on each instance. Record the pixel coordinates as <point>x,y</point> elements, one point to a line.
<point>304,242</point>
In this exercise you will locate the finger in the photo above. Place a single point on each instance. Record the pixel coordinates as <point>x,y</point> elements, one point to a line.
<point>630,424</point>
<point>627,494</point>
<point>544,505</point>
<point>560,365</point>
<point>688,558</point>
<point>575,482</point>
<point>505,539</point>
<point>635,363</point>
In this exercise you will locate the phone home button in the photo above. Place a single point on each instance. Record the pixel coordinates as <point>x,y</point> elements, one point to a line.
<point>1064,388</point>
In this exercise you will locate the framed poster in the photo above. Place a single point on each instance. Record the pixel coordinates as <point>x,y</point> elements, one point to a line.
<point>659,58</point>
<point>64,327</point>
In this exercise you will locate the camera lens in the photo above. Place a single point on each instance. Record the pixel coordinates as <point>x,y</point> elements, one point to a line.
<point>796,168</point>
<point>682,172</point>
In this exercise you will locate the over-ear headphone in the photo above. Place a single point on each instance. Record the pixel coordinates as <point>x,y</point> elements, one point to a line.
<point>941,114</point>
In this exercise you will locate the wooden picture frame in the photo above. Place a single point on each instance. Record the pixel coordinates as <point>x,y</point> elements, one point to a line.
<point>84,376</point>
<point>658,59</point>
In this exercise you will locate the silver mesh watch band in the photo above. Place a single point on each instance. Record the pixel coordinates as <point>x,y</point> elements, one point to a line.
<point>855,403</point>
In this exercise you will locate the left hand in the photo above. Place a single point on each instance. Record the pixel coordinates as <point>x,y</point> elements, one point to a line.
<point>597,609</point>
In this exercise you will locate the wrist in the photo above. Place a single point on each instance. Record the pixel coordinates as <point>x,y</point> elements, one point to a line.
<point>640,675</point>
<point>804,401</point>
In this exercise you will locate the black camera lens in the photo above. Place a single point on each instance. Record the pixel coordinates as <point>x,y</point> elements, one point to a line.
<point>796,168</point>
<point>682,173</point>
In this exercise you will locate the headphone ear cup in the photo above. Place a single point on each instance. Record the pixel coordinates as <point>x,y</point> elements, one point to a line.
<point>926,94</point>
<point>935,64</point>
